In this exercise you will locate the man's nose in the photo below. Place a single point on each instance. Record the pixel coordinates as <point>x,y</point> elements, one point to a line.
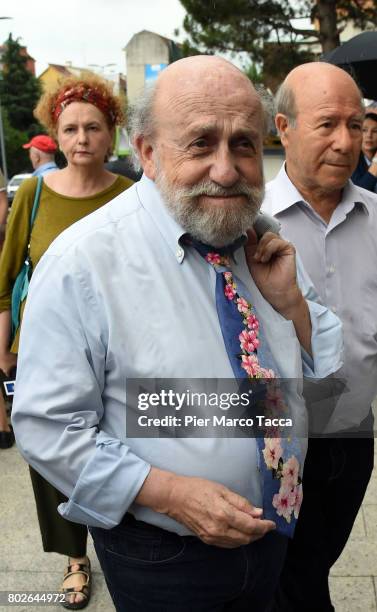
<point>344,140</point>
<point>224,170</point>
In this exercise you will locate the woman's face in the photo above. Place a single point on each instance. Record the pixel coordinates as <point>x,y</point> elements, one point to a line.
<point>83,134</point>
<point>369,145</point>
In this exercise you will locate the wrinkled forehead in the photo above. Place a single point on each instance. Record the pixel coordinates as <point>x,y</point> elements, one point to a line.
<point>212,99</point>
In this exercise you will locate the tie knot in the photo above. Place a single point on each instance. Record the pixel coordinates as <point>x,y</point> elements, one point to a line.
<point>216,256</point>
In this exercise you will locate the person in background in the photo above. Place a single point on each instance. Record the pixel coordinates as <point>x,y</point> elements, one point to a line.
<point>333,225</point>
<point>365,174</point>
<point>122,165</point>
<point>81,114</point>
<point>3,208</point>
<point>42,150</point>
<point>6,432</point>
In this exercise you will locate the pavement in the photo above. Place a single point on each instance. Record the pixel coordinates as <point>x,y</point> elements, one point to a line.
<point>25,567</point>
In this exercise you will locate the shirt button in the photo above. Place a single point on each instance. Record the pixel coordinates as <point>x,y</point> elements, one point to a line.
<point>334,309</point>
<point>331,270</point>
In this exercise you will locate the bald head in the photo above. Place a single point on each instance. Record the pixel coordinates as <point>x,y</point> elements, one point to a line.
<point>314,80</point>
<point>319,118</point>
<point>202,73</point>
<point>189,77</point>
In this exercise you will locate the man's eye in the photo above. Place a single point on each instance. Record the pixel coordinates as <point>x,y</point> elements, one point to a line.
<point>244,143</point>
<point>67,130</point>
<point>201,143</point>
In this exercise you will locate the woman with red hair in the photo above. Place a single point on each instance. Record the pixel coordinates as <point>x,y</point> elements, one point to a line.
<point>81,114</point>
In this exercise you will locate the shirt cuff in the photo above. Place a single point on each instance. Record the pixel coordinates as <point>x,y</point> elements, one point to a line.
<point>107,486</point>
<point>327,343</point>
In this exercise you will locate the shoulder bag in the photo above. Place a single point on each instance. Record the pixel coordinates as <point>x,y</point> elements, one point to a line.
<point>21,284</point>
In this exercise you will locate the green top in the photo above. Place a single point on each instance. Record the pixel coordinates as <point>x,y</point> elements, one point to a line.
<point>56,212</point>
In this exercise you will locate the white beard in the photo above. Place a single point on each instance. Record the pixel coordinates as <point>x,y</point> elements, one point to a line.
<point>215,225</point>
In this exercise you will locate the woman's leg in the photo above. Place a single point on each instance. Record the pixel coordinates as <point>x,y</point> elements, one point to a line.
<point>6,433</point>
<point>59,535</point>
<point>3,415</point>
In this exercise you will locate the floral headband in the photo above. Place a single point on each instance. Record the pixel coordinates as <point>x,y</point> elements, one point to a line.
<point>82,93</point>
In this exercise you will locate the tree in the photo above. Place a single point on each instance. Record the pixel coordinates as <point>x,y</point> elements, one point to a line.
<point>17,157</point>
<point>238,26</point>
<point>19,89</point>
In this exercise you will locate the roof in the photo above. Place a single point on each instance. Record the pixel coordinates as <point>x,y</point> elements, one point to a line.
<point>174,48</point>
<point>65,70</point>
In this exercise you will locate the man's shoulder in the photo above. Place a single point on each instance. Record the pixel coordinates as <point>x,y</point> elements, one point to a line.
<point>365,198</point>
<point>364,195</point>
<point>279,195</point>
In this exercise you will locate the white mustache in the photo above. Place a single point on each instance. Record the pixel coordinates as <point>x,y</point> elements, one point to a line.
<point>208,188</point>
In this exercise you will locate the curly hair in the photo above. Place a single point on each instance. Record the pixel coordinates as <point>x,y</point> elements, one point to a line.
<point>44,111</point>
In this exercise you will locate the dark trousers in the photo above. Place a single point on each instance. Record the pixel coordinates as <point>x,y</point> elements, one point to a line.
<point>148,569</point>
<point>336,475</point>
<point>58,534</point>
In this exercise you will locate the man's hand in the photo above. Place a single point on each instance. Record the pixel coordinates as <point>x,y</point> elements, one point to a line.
<point>272,264</point>
<point>8,361</point>
<point>214,513</point>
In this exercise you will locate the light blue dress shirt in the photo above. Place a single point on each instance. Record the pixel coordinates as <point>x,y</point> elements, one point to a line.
<point>341,259</point>
<point>45,169</point>
<point>117,296</point>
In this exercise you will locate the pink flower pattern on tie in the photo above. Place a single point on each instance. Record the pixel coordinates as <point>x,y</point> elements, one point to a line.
<point>289,498</point>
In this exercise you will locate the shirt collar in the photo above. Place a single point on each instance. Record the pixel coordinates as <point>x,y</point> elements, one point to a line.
<point>173,233</point>
<point>367,160</point>
<point>44,167</point>
<point>286,195</point>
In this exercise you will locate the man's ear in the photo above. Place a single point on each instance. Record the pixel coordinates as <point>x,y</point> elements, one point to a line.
<point>145,149</point>
<point>282,126</point>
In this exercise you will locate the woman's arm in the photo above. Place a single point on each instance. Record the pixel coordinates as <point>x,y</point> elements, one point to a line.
<point>7,359</point>
<point>11,260</point>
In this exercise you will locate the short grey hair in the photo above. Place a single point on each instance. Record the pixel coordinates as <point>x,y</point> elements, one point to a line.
<point>141,119</point>
<point>267,103</point>
<point>285,103</point>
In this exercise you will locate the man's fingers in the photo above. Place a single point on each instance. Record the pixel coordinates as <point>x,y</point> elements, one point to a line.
<point>245,517</point>
<point>252,238</point>
<point>233,537</point>
<point>243,504</point>
<point>270,245</point>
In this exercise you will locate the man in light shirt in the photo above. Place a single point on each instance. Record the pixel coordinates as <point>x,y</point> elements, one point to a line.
<point>124,295</point>
<point>333,225</point>
<point>42,149</point>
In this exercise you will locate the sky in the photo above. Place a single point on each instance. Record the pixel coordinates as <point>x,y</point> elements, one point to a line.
<point>86,32</point>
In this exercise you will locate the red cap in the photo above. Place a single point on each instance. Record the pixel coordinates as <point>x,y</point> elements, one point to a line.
<point>43,143</point>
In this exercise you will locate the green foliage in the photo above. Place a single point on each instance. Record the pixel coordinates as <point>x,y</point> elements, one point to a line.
<point>253,73</point>
<point>240,25</point>
<point>19,93</point>
<point>19,89</point>
<point>245,26</point>
<point>17,157</point>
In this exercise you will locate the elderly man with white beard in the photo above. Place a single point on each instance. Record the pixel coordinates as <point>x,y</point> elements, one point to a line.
<point>132,292</point>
